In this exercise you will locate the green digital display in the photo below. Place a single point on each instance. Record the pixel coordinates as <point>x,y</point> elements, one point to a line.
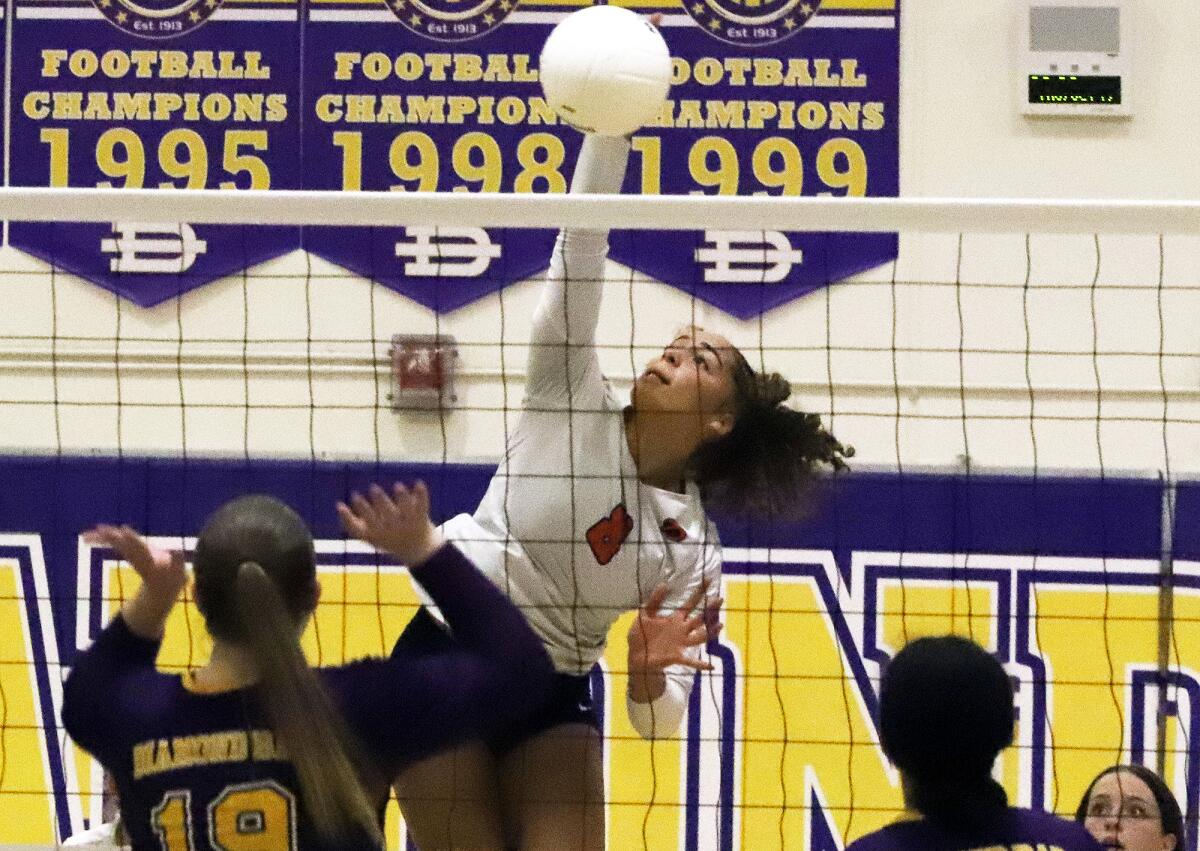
<point>1067,89</point>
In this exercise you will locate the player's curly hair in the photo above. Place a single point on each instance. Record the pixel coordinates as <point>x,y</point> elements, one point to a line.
<point>255,579</point>
<point>772,456</point>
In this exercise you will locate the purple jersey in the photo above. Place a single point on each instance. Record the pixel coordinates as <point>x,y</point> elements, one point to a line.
<point>1015,830</point>
<point>197,770</point>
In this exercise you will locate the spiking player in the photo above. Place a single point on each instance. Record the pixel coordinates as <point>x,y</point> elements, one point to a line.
<point>599,508</point>
<point>255,749</point>
<point>945,714</point>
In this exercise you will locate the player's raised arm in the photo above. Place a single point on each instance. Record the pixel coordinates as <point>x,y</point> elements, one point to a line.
<point>162,572</point>
<point>561,346</point>
<point>131,640</point>
<point>499,662</point>
<point>607,74</point>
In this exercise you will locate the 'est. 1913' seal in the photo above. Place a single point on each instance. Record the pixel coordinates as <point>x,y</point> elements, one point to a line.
<point>451,20</point>
<point>751,22</point>
<point>157,18</point>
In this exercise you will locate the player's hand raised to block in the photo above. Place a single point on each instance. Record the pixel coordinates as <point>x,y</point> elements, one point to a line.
<point>397,523</point>
<point>163,572</point>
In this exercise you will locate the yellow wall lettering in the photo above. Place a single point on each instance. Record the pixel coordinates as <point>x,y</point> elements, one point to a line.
<point>25,783</point>
<point>803,712</point>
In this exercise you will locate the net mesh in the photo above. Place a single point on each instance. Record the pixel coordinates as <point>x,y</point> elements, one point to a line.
<point>1024,408</point>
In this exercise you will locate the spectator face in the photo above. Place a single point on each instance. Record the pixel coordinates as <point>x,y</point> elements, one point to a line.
<point>1122,813</point>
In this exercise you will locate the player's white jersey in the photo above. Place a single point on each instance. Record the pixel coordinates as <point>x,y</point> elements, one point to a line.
<point>572,536</point>
<point>566,529</point>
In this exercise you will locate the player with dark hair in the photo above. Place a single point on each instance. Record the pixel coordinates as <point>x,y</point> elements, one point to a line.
<point>945,713</point>
<point>255,747</point>
<point>1131,807</point>
<point>599,507</point>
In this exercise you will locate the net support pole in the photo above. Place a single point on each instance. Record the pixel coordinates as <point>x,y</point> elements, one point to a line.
<point>1166,618</point>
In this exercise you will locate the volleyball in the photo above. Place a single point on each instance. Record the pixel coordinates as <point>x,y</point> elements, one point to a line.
<point>605,70</point>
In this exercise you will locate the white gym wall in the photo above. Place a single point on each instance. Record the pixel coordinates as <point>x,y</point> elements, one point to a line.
<point>961,135</point>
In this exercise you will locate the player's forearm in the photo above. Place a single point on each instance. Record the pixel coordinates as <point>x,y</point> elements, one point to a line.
<point>146,612</point>
<point>570,305</point>
<point>600,168</point>
<point>646,686</point>
<point>656,706</point>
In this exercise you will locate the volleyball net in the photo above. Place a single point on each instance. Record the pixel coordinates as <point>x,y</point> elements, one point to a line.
<point>1020,380</point>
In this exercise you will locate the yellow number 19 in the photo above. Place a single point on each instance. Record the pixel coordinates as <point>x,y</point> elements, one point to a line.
<point>172,821</point>
<point>258,816</point>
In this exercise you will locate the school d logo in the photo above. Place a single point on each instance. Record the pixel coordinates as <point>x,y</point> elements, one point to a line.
<point>751,22</point>
<point>157,18</point>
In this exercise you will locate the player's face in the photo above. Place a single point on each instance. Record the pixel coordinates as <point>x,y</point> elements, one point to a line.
<point>692,378</point>
<point>1122,813</point>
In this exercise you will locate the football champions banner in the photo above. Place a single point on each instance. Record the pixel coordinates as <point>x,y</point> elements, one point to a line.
<point>162,93</point>
<point>1059,577</point>
<point>783,97</point>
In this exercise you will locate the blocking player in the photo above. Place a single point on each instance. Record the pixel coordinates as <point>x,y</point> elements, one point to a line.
<point>255,749</point>
<point>945,713</point>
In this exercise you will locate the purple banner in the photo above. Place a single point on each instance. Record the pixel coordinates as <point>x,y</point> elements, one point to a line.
<point>392,107</point>
<point>778,98</point>
<point>4,73</point>
<point>811,113</point>
<point>158,93</point>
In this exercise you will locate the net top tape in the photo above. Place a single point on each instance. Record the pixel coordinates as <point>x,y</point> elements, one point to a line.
<point>664,212</point>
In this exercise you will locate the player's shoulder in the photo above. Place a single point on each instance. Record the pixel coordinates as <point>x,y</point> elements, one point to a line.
<point>1048,829</point>
<point>344,679</point>
<point>1017,827</point>
<point>901,835</point>
<point>144,695</point>
<point>141,704</point>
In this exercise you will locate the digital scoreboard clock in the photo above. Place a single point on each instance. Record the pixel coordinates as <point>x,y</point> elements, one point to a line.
<point>1075,58</point>
<point>1074,89</point>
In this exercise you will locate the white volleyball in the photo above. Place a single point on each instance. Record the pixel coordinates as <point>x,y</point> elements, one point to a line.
<point>605,70</point>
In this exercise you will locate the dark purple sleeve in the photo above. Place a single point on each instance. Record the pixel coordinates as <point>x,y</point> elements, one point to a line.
<point>478,613</point>
<point>1059,832</point>
<point>92,689</point>
<point>410,706</point>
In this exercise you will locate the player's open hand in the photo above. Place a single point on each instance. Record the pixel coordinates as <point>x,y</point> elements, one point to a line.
<point>658,640</point>
<point>397,523</point>
<point>163,572</point>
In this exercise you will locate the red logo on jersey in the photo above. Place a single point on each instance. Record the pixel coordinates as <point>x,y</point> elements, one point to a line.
<point>606,535</point>
<point>672,531</point>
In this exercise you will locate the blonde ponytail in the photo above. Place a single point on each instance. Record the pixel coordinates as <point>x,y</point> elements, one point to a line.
<point>305,721</point>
